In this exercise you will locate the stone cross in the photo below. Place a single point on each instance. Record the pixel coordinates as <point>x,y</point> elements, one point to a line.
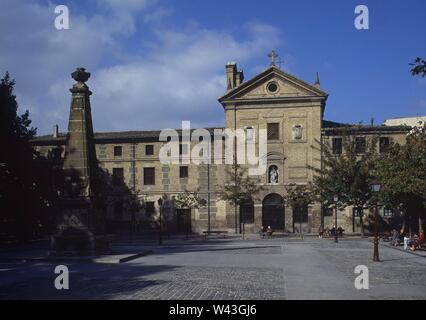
<point>273,56</point>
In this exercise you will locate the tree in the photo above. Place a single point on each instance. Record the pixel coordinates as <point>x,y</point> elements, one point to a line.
<point>24,193</point>
<point>419,67</point>
<point>299,197</point>
<point>402,172</point>
<point>241,189</point>
<point>348,175</point>
<point>189,200</point>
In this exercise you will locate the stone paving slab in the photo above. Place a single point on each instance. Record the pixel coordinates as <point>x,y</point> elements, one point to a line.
<point>231,269</point>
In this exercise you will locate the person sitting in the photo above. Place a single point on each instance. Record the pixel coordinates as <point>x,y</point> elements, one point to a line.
<point>269,231</point>
<point>327,232</point>
<point>340,231</point>
<point>262,232</point>
<point>320,231</point>
<point>418,242</point>
<point>333,231</point>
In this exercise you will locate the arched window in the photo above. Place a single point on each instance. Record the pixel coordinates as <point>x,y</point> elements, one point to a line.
<point>273,174</point>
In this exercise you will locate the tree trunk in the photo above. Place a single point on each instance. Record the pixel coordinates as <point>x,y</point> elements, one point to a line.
<point>420,224</point>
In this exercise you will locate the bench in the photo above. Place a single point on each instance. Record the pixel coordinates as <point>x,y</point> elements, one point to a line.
<point>218,232</point>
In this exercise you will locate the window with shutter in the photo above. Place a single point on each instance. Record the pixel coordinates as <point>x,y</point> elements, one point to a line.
<point>273,131</point>
<point>149,176</point>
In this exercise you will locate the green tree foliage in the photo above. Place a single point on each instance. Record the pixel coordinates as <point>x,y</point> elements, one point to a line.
<point>348,175</point>
<point>419,67</point>
<point>242,188</point>
<point>299,196</point>
<point>402,172</point>
<point>189,200</point>
<point>24,191</point>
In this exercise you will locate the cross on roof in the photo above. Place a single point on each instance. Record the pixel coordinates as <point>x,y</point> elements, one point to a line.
<point>280,63</point>
<point>273,56</point>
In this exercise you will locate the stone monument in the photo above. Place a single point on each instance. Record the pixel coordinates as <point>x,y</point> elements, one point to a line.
<point>79,217</point>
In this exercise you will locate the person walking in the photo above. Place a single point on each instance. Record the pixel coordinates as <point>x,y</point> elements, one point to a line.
<point>395,237</point>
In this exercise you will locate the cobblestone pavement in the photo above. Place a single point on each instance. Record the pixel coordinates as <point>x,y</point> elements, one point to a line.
<point>230,269</point>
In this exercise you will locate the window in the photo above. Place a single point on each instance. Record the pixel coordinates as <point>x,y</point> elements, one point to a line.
<point>247,212</point>
<point>360,145</point>
<point>300,214</point>
<point>149,176</point>
<point>384,144</point>
<point>183,172</point>
<point>328,212</point>
<point>183,149</point>
<point>387,212</point>
<point>272,87</point>
<point>357,212</point>
<point>250,133</point>
<point>118,151</point>
<point>150,208</point>
<point>337,145</point>
<point>273,131</point>
<point>118,176</point>
<point>149,150</point>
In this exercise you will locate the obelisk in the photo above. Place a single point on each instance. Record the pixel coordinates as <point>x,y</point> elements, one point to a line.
<point>76,219</point>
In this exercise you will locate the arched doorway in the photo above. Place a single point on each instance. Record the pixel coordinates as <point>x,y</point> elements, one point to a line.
<point>273,211</point>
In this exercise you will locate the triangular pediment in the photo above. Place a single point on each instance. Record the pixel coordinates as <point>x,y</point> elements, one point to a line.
<point>273,83</point>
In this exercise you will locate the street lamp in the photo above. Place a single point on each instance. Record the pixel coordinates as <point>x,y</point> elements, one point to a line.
<point>336,199</point>
<point>160,236</point>
<point>376,189</point>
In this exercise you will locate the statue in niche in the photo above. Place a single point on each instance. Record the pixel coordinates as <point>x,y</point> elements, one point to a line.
<point>273,174</point>
<point>297,132</point>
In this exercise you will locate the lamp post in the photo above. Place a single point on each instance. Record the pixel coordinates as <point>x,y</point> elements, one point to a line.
<point>160,236</point>
<point>376,188</point>
<point>336,199</point>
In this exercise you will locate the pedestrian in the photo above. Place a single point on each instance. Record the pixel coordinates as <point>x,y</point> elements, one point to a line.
<point>406,242</point>
<point>320,231</point>
<point>417,243</point>
<point>395,237</point>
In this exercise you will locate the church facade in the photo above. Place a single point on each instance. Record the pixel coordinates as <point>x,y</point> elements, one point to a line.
<point>289,109</point>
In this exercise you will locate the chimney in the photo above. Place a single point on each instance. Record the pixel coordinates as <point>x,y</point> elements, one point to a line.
<point>231,75</point>
<point>55,131</point>
<point>240,78</point>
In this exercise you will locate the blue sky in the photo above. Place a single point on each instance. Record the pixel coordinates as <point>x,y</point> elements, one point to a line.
<point>155,63</point>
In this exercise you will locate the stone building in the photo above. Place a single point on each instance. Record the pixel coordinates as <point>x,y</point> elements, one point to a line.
<point>289,109</point>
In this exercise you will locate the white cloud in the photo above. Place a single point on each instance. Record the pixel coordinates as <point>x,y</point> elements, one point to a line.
<point>180,79</point>
<point>179,75</point>
<point>126,4</point>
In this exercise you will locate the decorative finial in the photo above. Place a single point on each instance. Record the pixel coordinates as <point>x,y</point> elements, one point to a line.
<point>273,57</point>
<point>80,75</point>
<point>317,82</point>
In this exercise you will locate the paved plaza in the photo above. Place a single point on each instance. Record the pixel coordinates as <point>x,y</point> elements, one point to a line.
<point>289,268</point>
